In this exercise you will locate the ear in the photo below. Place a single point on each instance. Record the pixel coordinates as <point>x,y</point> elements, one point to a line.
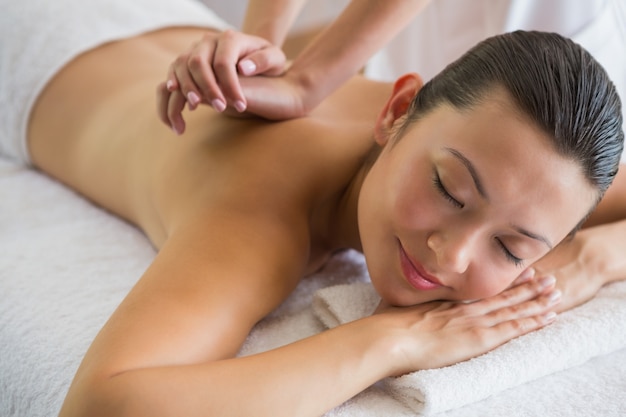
<point>404,89</point>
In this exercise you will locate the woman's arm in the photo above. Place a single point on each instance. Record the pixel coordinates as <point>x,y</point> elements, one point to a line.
<point>170,347</point>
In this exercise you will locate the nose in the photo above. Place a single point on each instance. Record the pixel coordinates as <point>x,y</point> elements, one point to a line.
<point>453,251</point>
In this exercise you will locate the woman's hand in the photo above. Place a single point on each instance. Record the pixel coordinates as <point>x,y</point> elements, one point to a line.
<point>438,334</point>
<point>209,73</point>
<point>576,264</point>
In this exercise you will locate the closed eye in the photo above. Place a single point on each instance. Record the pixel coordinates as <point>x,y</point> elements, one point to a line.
<point>444,193</point>
<point>512,258</point>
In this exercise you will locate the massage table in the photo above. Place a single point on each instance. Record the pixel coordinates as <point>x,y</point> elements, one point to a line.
<point>65,264</point>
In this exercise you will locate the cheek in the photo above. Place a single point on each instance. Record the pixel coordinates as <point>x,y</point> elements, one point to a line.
<point>414,208</point>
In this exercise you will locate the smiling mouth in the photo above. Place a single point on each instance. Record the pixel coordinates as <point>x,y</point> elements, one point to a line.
<point>415,275</point>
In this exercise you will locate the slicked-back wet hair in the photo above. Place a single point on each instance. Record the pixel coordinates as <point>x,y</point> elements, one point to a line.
<point>553,81</point>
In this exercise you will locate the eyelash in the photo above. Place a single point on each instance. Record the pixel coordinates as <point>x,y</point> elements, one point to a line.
<point>445,194</point>
<point>516,261</point>
<point>442,190</point>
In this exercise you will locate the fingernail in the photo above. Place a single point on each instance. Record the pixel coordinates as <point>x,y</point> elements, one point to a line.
<point>547,281</point>
<point>240,106</point>
<point>549,317</point>
<point>527,275</point>
<point>175,129</point>
<point>554,297</point>
<point>247,67</point>
<point>218,105</point>
<point>193,99</point>
<point>169,85</point>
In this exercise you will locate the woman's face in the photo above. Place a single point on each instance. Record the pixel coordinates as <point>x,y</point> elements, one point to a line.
<point>464,202</point>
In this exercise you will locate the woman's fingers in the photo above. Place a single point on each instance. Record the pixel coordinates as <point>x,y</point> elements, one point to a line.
<point>508,323</point>
<point>456,332</point>
<point>525,312</point>
<point>515,296</point>
<point>526,275</point>
<point>444,333</point>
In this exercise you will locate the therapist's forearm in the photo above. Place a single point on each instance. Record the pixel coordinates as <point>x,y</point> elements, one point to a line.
<point>344,47</point>
<point>271,19</point>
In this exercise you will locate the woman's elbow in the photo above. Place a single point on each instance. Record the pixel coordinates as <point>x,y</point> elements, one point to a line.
<point>99,398</point>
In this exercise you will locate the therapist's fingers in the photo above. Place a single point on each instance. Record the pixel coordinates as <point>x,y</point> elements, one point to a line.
<point>229,49</point>
<point>175,106</point>
<point>170,105</point>
<point>163,94</point>
<point>197,76</point>
<point>192,74</point>
<point>267,61</point>
<point>197,83</point>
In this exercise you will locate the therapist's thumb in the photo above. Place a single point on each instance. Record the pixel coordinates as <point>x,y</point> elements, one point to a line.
<point>267,61</point>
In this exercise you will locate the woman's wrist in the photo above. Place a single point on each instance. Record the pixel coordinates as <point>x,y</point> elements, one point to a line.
<point>391,340</point>
<point>603,251</point>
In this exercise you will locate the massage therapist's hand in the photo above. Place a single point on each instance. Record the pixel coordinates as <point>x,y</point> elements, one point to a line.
<point>209,73</point>
<point>276,98</point>
<point>439,333</point>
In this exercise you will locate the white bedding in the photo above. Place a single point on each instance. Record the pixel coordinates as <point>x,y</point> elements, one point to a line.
<point>66,264</point>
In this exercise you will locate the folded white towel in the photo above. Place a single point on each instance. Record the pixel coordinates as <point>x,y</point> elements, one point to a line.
<point>595,328</point>
<point>341,304</point>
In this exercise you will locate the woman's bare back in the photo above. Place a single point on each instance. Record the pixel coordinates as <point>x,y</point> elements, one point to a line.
<point>95,128</point>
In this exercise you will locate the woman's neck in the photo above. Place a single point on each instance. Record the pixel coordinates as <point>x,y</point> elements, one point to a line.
<point>343,222</point>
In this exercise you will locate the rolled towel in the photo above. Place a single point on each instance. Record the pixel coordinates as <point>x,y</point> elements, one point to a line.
<point>598,327</point>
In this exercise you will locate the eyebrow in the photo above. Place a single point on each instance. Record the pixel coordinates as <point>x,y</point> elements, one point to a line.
<point>533,236</point>
<point>483,193</point>
<point>470,167</point>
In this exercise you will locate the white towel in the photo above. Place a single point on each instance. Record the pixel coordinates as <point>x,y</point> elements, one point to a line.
<point>595,328</point>
<point>39,37</point>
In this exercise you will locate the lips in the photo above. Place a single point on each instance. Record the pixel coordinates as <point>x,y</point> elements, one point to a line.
<point>415,275</point>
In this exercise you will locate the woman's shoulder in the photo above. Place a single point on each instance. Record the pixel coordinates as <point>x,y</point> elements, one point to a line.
<point>358,100</point>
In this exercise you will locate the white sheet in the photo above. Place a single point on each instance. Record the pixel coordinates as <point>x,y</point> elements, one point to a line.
<point>65,265</point>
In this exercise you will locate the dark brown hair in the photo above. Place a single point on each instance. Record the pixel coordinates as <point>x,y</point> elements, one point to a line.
<point>554,81</point>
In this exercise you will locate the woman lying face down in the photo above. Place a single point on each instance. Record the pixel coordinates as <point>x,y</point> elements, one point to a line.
<point>471,179</point>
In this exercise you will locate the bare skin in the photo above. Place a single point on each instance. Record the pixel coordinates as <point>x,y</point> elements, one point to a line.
<point>239,214</point>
